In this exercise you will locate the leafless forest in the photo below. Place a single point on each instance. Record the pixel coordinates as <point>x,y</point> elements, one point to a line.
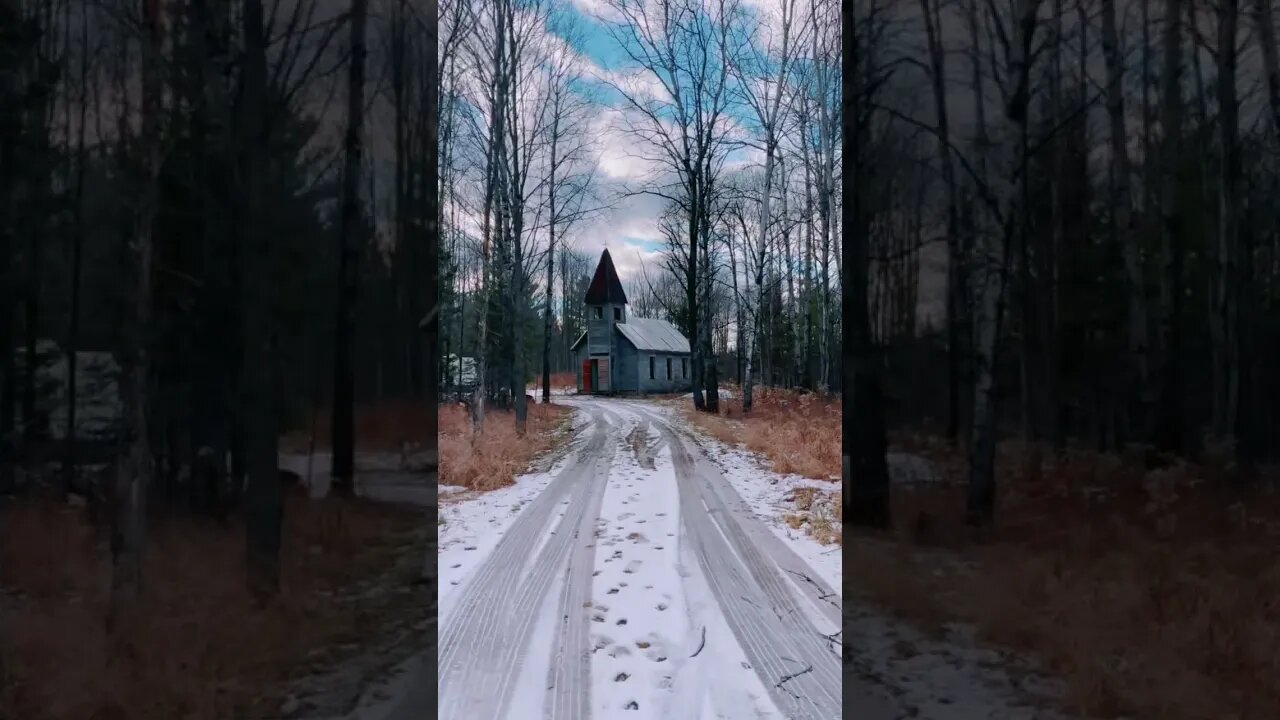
<point>723,117</point>
<point>1067,225</point>
<point>213,230</point>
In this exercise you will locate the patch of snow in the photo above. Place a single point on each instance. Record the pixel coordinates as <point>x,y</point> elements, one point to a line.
<point>909,469</point>
<point>471,527</point>
<point>712,677</point>
<point>767,493</point>
<point>639,586</point>
<point>949,676</point>
<point>531,685</point>
<point>725,394</point>
<point>374,471</point>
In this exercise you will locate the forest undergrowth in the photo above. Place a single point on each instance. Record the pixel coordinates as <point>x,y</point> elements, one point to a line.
<point>798,433</point>
<point>1148,584</point>
<point>501,454</point>
<point>195,645</point>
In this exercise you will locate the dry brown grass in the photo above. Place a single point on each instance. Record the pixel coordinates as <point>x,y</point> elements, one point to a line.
<point>798,432</point>
<point>195,646</point>
<point>1151,592</point>
<point>494,460</point>
<point>384,427</point>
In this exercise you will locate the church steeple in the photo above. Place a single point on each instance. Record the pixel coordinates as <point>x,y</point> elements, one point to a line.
<point>605,287</point>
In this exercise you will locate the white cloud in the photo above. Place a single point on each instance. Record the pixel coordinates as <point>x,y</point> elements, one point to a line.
<point>598,9</point>
<point>633,218</point>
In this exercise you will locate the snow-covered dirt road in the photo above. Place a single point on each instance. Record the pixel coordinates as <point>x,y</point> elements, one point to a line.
<point>633,580</point>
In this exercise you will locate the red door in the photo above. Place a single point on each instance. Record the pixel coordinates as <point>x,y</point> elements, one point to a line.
<point>586,376</point>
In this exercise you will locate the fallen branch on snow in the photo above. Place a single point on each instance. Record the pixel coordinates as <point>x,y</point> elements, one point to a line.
<point>702,644</point>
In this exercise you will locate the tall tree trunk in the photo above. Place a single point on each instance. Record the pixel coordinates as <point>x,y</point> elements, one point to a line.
<point>955,262</point>
<point>982,480</point>
<point>405,268</point>
<point>1265,22</point>
<point>711,385</point>
<point>691,294</point>
<point>760,255</point>
<point>77,258</point>
<point>864,469</point>
<point>810,333</point>
<point>551,265</point>
<point>432,241</point>
<point>10,128</point>
<point>352,231</point>
<point>134,471</point>
<point>1124,229</point>
<point>36,225</point>
<point>740,330</point>
<point>493,206</point>
<point>263,502</point>
<point>1223,321</point>
<point>1170,431</point>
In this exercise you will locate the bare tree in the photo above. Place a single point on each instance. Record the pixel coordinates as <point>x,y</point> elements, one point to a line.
<point>135,471</point>
<point>864,470</point>
<point>685,48</point>
<point>264,511</point>
<point>1124,228</point>
<point>932,10</point>
<point>763,75</point>
<point>1224,320</point>
<point>566,187</point>
<point>991,261</point>
<point>343,425</point>
<point>1266,24</point>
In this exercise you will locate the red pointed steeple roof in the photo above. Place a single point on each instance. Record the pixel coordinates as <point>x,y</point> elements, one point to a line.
<point>605,287</point>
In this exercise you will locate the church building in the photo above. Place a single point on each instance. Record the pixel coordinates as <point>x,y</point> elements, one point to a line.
<point>619,353</point>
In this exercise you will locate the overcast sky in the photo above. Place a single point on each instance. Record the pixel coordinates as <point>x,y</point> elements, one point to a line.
<point>629,228</point>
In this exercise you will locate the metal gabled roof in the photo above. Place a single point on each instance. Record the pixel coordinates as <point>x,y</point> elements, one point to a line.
<point>653,335</point>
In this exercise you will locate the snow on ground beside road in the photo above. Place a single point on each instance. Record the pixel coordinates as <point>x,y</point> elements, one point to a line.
<point>947,676</point>
<point>725,394</point>
<point>767,494</point>
<point>471,526</point>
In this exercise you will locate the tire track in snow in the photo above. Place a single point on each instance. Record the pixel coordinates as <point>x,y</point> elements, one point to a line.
<point>791,656</point>
<point>569,680</point>
<point>747,531</point>
<point>482,645</point>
